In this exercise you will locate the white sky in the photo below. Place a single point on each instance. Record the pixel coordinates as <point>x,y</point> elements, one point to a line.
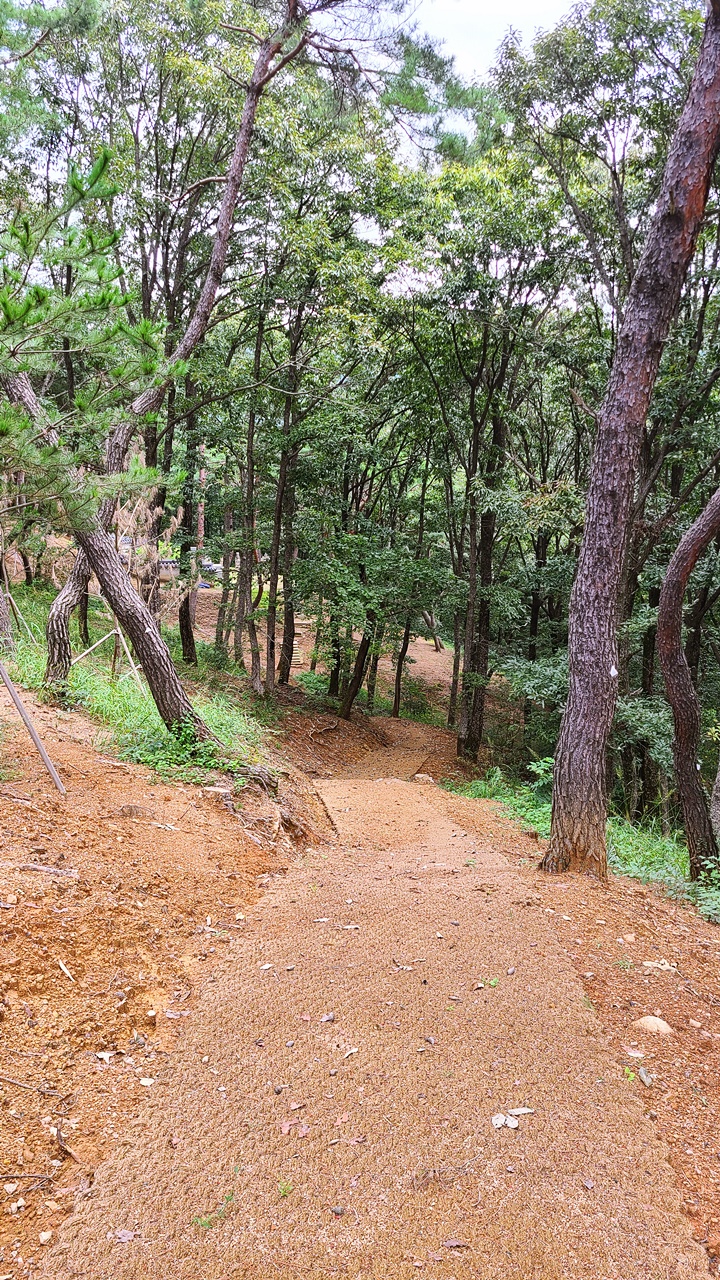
<point>473,29</point>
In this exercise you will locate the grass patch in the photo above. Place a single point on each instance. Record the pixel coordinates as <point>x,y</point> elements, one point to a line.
<point>643,853</point>
<point>134,730</point>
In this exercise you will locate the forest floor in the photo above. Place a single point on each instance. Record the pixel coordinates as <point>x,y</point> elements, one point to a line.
<point>222,1134</point>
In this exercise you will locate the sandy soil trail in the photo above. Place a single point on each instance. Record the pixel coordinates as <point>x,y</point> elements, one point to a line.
<point>331,1113</point>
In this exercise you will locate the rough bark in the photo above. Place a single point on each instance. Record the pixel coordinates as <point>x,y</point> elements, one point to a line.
<point>57,630</point>
<point>578,836</point>
<point>137,621</point>
<point>681,693</point>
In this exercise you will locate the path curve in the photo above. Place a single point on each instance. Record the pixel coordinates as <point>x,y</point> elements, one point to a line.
<point>284,1144</point>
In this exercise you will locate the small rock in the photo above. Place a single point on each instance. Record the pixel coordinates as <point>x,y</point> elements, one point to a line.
<point>423,777</point>
<point>147,1081</point>
<point>653,1025</point>
<point>45,1237</point>
<point>645,1076</point>
<point>328,1017</point>
<point>337,1210</point>
<point>588,1184</point>
<point>498,1120</point>
<point>512,1122</point>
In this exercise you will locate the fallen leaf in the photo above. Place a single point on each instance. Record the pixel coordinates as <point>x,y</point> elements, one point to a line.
<point>297,1106</point>
<point>455,1244</point>
<point>498,1120</point>
<point>266,966</point>
<point>124,1236</point>
<point>340,1120</point>
<point>521,1111</point>
<point>512,1122</point>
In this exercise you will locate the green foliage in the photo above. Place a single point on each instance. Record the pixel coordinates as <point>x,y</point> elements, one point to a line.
<point>133,728</point>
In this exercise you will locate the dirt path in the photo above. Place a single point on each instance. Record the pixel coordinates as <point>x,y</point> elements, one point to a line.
<point>330,1111</point>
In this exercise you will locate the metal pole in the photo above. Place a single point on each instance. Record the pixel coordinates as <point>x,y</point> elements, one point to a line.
<point>31,730</point>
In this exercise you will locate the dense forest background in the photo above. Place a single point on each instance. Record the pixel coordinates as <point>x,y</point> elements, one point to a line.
<point>388,421</point>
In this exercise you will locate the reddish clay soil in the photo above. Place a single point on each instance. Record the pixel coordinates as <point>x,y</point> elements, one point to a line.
<point>334,1109</point>
<point>136,886</point>
<point>153,902</point>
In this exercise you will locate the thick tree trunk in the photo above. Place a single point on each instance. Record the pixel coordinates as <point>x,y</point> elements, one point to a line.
<point>579,801</point>
<point>57,630</point>
<point>137,621</point>
<point>402,655</point>
<point>681,694</point>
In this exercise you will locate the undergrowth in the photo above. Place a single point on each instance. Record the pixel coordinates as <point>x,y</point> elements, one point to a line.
<point>643,853</point>
<point>134,729</point>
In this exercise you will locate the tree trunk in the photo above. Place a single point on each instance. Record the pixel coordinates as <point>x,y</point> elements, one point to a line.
<point>57,630</point>
<point>83,618</point>
<point>681,694</point>
<point>7,639</point>
<point>288,641</point>
<point>457,653</point>
<point>355,683</point>
<point>650,771</point>
<point>137,621</point>
<point>255,662</point>
<point>715,805</point>
<point>373,669</point>
<point>274,572</point>
<point>578,835</point>
<point>227,557</point>
<point>402,654</point>
<point>334,683</point>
